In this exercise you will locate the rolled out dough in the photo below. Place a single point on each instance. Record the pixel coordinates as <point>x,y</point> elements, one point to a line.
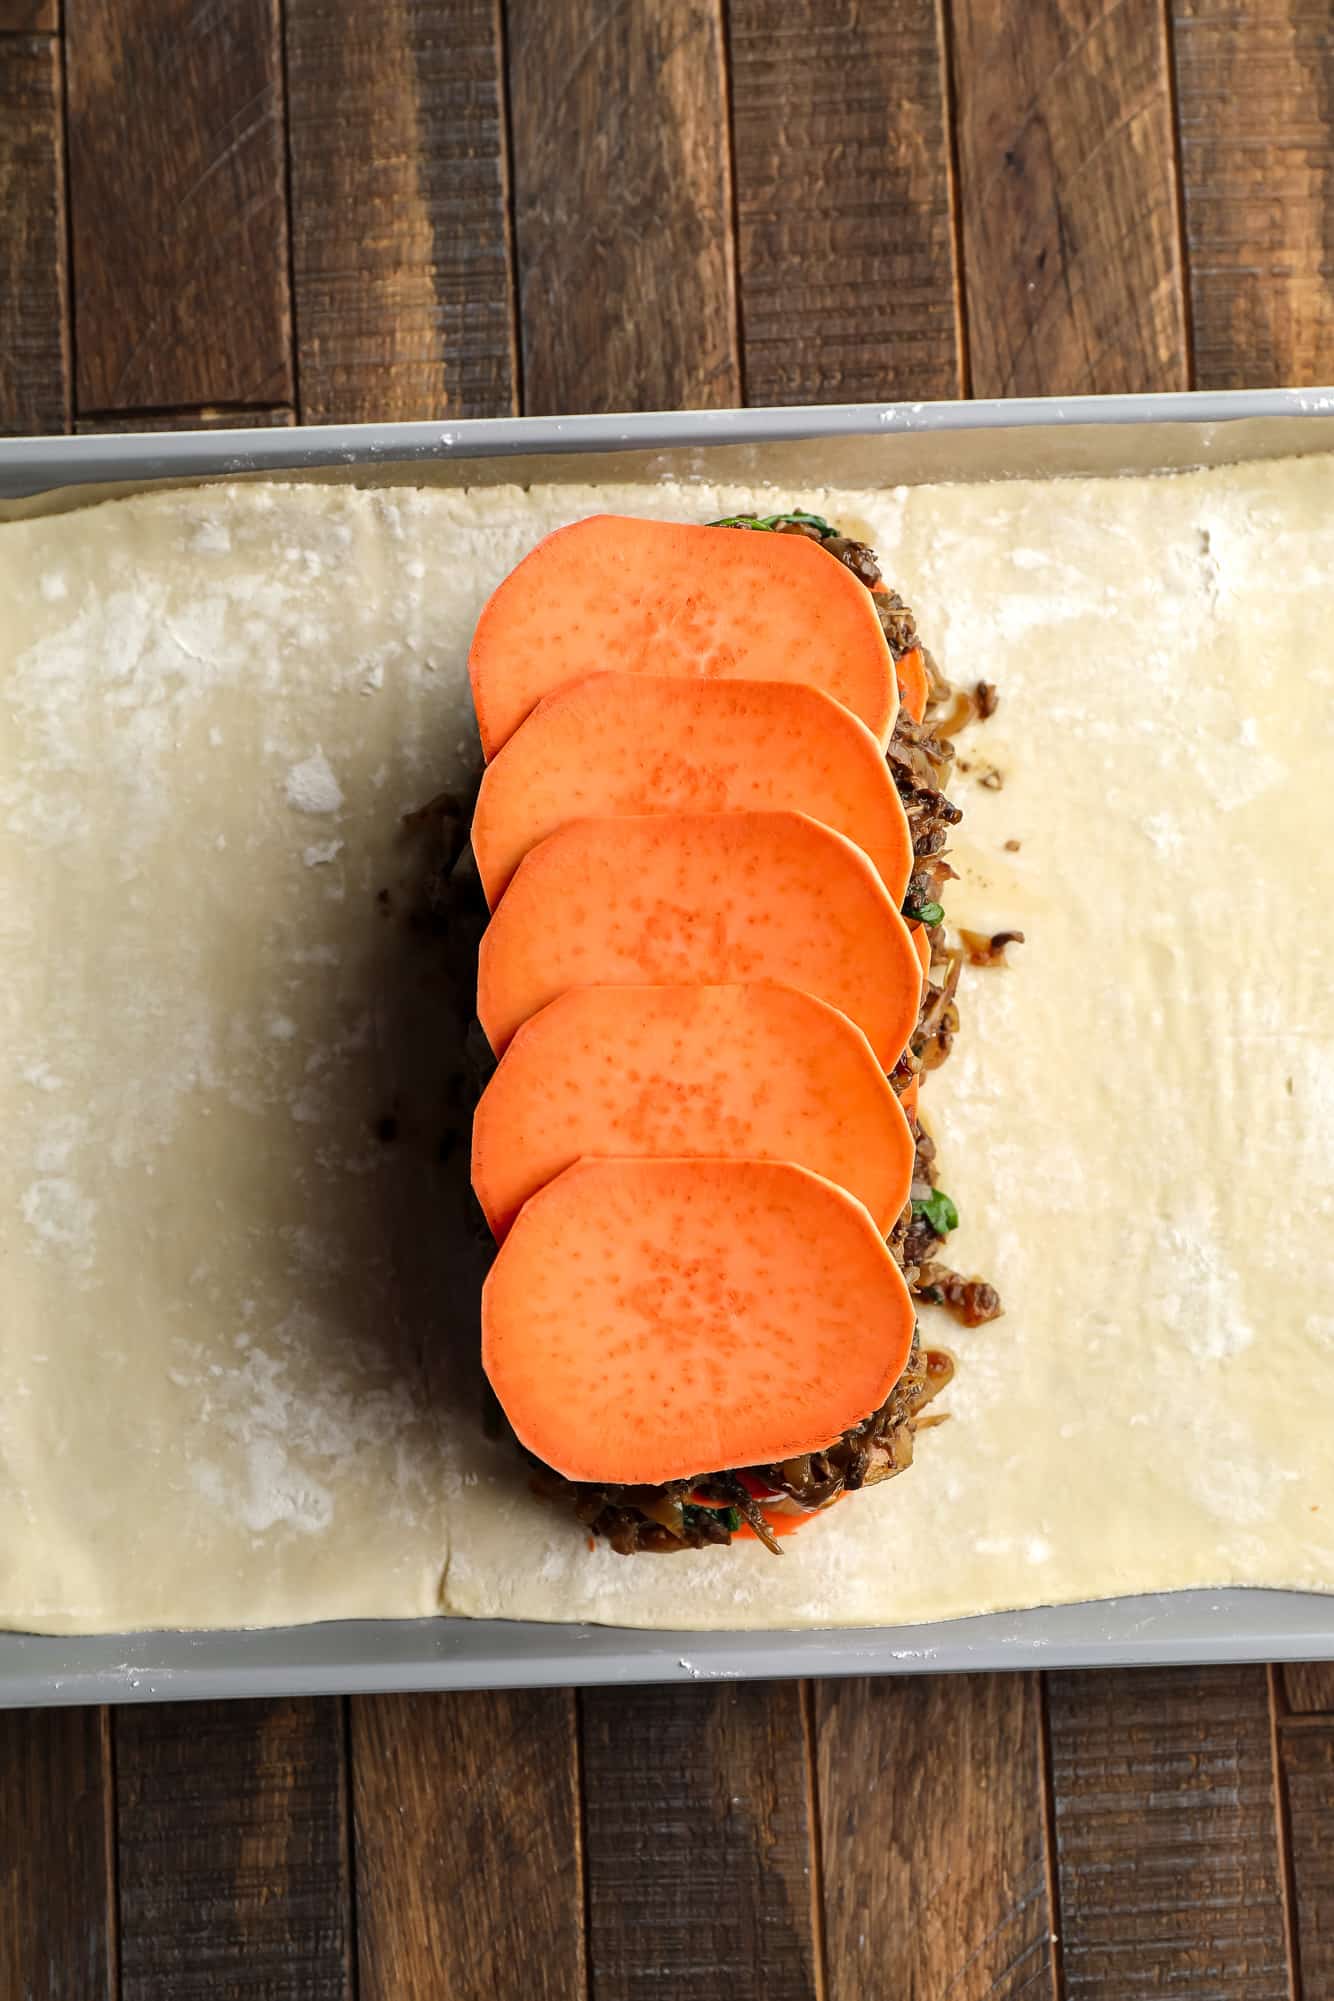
<point>237,1368</point>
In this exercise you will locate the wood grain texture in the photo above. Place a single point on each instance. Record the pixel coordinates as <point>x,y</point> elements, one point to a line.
<point>231,1827</point>
<point>57,1897</point>
<point>177,194</point>
<point>1068,191</point>
<point>699,1854</point>
<point>1309,1686</point>
<point>469,1880</point>
<point>845,244</point>
<point>931,1808</point>
<point>1307,1764</point>
<point>34,346</point>
<point>29,17</point>
<point>1255,91</point>
<point>622,204</point>
<point>1167,1849</point>
<point>400,231</point>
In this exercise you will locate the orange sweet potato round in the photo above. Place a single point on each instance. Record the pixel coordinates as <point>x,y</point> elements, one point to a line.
<point>650,1320</point>
<point>669,597</point>
<point>647,743</point>
<point>701,899</point>
<point>749,1072</point>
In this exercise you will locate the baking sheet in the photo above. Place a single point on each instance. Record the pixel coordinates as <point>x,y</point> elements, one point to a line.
<point>864,445</point>
<point>371,1657</point>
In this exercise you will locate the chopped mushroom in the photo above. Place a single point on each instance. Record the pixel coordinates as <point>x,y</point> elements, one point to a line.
<point>898,624</point>
<point>970,1300</point>
<point>854,556</point>
<point>989,951</point>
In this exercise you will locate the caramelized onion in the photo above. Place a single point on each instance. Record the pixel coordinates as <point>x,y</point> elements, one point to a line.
<point>940,1017</point>
<point>962,710</point>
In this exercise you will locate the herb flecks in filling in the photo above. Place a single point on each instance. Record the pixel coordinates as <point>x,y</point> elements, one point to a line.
<point>814,525</point>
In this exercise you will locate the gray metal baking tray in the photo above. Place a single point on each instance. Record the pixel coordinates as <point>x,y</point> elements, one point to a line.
<point>836,445</point>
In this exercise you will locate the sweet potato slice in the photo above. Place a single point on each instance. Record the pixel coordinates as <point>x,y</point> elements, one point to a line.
<point>700,899</point>
<point>745,1072</point>
<point>909,671</point>
<point>665,597</point>
<point>641,743</point>
<point>650,1320</point>
<point>914,691</point>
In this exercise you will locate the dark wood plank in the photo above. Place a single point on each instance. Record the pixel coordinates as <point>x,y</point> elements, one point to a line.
<point>1309,1686</point>
<point>622,205</point>
<point>1067,179</point>
<point>57,1899</point>
<point>34,346</point>
<point>1255,90</point>
<point>29,17</point>
<point>845,243</point>
<point>469,1880</point>
<point>699,1854</point>
<point>189,420</point>
<point>400,228</point>
<point>231,1827</point>
<point>1307,1763</point>
<point>177,194</point>
<point>931,1808</point>
<point>1167,1849</point>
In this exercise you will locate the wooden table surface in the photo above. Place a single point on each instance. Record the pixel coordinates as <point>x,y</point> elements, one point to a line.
<point>264,211</point>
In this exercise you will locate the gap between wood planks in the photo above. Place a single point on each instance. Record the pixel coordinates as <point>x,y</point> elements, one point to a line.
<point>816,1841</point>
<point>1283,1830</point>
<point>241,417</point>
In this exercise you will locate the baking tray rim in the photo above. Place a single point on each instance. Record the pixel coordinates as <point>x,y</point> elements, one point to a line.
<point>392,1656</point>
<point>28,463</point>
<point>372,1656</point>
